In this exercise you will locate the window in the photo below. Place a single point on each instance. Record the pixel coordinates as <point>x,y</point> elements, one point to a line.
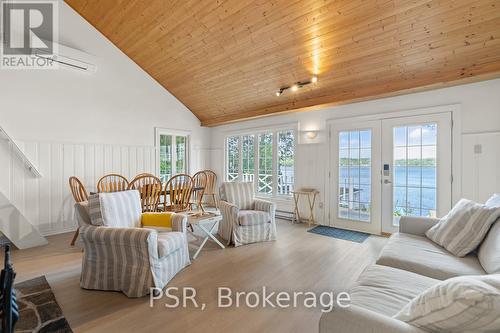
<point>265,183</point>
<point>266,158</point>
<point>233,158</point>
<point>415,170</point>
<point>355,175</point>
<point>172,147</point>
<point>286,152</point>
<point>248,151</point>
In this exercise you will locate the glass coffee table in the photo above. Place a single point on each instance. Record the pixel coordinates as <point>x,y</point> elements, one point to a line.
<point>207,222</point>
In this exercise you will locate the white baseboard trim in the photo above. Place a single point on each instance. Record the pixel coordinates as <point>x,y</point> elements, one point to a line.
<point>58,232</point>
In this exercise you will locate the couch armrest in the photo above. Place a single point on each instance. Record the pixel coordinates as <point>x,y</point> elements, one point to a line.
<point>163,221</point>
<point>229,221</point>
<point>265,206</point>
<point>142,240</point>
<point>179,223</point>
<point>229,211</point>
<point>416,225</point>
<point>360,320</point>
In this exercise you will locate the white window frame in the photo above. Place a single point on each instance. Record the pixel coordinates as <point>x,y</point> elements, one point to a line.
<point>256,132</point>
<point>174,133</point>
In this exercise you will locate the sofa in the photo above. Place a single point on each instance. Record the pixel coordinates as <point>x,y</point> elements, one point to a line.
<point>409,264</point>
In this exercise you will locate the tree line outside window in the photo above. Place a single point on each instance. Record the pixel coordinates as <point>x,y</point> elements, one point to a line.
<point>267,159</point>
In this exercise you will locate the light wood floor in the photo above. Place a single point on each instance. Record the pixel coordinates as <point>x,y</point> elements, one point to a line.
<point>297,261</point>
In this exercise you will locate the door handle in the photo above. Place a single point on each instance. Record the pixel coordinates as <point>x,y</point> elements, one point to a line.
<point>387,181</point>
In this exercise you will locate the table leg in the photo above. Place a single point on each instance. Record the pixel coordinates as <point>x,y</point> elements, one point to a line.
<point>311,208</point>
<point>209,235</point>
<point>296,210</point>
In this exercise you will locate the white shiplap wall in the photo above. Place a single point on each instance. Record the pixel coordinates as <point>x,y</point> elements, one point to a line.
<point>47,201</point>
<point>480,165</point>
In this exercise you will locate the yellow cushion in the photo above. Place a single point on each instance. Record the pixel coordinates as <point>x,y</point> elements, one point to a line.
<point>163,220</point>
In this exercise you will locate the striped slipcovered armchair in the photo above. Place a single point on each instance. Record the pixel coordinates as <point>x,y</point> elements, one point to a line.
<point>245,219</point>
<point>119,254</point>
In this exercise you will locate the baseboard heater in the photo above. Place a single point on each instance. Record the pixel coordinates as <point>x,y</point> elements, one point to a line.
<point>284,215</point>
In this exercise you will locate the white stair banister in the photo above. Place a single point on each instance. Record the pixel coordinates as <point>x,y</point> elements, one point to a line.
<point>20,154</point>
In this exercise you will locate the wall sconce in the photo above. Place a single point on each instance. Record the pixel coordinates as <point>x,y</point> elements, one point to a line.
<point>310,136</point>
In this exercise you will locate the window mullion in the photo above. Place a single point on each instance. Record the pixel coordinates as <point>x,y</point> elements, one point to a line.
<point>187,150</point>
<point>226,159</point>
<point>173,166</point>
<point>240,157</point>
<point>275,165</point>
<point>256,163</point>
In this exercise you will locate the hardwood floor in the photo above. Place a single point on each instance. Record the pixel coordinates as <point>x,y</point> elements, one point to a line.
<point>297,261</point>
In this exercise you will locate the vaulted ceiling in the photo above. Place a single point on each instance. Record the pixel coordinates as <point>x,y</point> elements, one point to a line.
<point>225,59</point>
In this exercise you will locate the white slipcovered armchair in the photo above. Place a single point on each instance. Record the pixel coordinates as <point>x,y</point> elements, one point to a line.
<point>245,219</point>
<point>119,254</point>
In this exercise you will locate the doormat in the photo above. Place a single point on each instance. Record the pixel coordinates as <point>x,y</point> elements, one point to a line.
<point>353,236</point>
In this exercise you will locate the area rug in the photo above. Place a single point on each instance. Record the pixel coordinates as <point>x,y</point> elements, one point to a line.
<point>353,236</point>
<point>38,308</point>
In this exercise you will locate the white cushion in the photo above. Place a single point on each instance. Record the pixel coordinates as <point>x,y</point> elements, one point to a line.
<point>169,242</point>
<point>493,201</point>
<point>253,217</point>
<point>461,304</point>
<point>420,255</point>
<point>489,252</point>
<point>116,209</point>
<point>387,290</point>
<point>464,228</point>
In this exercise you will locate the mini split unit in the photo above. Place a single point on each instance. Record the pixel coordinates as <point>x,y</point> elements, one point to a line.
<point>69,58</point>
<point>66,57</point>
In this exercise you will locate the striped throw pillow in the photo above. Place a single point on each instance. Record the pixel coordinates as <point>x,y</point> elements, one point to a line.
<point>116,209</point>
<point>94,208</point>
<point>464,228</point>
<point>460,304</point>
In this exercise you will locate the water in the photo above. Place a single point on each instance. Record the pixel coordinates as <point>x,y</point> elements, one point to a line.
<point>421,183</point>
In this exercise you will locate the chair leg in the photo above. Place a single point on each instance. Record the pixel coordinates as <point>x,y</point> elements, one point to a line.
<point>200,206</point>
<point>75,237</point>
<point>214,196</point>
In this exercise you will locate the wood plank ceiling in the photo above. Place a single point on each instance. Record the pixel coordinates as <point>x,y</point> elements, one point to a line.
<point>225,60</point>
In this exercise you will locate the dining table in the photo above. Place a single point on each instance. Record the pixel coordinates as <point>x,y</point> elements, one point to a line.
<point>196,188</point>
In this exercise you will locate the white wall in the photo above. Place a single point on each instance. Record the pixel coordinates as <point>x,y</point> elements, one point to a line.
<point>74,123</point>
<point>480,105</point>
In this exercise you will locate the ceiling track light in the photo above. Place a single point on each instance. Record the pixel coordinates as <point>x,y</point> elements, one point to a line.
<point>297,85</point>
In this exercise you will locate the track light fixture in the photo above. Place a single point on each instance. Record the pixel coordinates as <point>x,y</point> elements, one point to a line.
<point>297,85</point>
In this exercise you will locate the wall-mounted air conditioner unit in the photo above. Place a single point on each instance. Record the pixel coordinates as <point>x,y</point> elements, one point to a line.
<point>69,58</point>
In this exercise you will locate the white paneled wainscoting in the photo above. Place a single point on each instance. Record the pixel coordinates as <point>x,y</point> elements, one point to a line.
<point>47,201</point>
<point>481,165</point>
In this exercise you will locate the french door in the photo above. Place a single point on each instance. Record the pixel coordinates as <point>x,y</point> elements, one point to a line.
<point>355,176</point>
<point>384,169</point>
<point>416,170</point>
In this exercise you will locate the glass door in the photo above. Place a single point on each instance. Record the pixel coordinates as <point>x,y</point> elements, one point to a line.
<point>416,171</point>
<point>355,176</point>
<point>384,169</point>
